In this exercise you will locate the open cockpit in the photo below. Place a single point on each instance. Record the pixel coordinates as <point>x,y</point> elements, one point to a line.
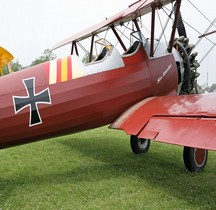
<point>109,58</point>
<point>115,44</point>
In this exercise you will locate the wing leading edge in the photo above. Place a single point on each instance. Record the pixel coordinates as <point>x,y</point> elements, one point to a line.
<point>187,120</point>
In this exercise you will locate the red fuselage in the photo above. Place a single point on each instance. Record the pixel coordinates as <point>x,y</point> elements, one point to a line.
<point>32,109</point>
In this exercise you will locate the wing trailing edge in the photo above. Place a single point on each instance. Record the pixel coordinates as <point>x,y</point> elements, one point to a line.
<point>187,120</point>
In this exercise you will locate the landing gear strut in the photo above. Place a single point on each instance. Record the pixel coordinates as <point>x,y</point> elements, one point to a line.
<point>195,159</point>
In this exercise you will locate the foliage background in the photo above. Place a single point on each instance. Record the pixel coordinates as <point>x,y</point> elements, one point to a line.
<point>16,66</point>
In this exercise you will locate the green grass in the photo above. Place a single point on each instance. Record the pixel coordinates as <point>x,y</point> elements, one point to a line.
<point>97,170</point>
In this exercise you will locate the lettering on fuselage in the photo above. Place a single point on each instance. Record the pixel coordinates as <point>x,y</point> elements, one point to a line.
<point>164,74</point>
<point>31,100</point>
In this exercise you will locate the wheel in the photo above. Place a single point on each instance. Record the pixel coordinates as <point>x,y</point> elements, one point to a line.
<point>195,159</point>
<point>139,145</point>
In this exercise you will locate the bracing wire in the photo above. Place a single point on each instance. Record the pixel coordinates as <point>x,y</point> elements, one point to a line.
<point>83,48</point>
<point>163,28</point>
<point>144,27</point>
<point>212,23</point>
<point>202,13</point>
<point>169,17</point>
<point>122,33</point>
<point>193,28</point>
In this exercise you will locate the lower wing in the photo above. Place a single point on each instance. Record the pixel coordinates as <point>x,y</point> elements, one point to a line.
<point>187,120</point>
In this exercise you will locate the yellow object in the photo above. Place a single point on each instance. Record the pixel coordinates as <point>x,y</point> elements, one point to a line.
<point>64,69</point>
<point>5,58</point>
<point>104,43</point>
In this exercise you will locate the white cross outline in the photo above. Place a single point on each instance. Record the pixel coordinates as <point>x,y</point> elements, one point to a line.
<point>29,105</point>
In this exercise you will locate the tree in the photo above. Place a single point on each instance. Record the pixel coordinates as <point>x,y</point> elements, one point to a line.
<point>213,88</point>
<point>13,65</point>
<point>86,58</point>
<point>16,66</point>
<point>47,56</point>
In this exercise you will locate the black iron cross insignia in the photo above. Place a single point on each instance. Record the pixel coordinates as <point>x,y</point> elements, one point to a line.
<point>32,100</point>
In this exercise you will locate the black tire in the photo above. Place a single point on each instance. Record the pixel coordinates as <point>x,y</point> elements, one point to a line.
<point>139,145</point>
<point>195,159</point>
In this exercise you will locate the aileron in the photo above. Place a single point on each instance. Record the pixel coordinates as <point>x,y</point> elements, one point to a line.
<point>185,131</point>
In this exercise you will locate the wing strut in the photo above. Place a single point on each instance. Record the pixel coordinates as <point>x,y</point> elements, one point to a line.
<point>118,37</point>
<point>136,24</point>
<point>152,32</point>
<point>91,49</point>
<point>177,12</point>
<point>74,46</point>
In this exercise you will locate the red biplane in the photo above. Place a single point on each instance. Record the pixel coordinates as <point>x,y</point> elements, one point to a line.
<point>147,90</point>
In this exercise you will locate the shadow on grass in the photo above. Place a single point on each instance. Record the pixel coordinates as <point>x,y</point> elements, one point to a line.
<point>105,159</point>
<point>161,168</point>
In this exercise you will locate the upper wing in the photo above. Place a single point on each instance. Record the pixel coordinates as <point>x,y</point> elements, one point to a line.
<point>135,10</point>
<point>188,120</point>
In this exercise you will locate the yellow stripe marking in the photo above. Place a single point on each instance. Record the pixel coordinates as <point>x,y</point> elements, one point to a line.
<point>64,69</point>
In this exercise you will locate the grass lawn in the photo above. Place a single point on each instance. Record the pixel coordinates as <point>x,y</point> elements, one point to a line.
<point>97,170</point>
